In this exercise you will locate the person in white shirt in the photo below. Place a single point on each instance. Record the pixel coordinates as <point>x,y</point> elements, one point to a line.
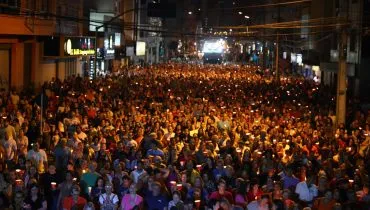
<point>10,147</point>
<point>108,200</point>
<point>138,172</point>
<point>306,190</point>
<point>38,157</point>
<point>170,134</point>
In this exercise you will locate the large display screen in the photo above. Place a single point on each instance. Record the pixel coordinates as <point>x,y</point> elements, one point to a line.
<point>214,46</point>
<point>140,48</point>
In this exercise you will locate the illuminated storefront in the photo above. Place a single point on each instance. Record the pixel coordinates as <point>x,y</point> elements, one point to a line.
<point>84,48</point>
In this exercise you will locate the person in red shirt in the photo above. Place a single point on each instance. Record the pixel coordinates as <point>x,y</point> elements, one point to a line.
<point>75,201</point>
<point>254,193</point>
<point>222,193</point>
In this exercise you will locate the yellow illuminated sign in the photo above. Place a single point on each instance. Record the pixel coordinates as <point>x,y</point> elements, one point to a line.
<point>73,46</point>
<point>82,52</point>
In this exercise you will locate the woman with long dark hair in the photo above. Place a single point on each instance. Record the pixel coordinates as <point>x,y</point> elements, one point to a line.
<point>97,190</point>
<point>34,200</point>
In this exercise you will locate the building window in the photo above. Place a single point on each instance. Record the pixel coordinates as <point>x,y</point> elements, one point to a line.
<point>30,5</point>
<point>10,3</point>
<point>70,67</point>
<point>11,7</point>
<point>44,5</point>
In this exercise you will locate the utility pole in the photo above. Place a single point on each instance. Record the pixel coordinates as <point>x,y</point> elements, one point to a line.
<point>342,80</point>
<point>277,57</point>
<point>277,45</point>
<point>342,72</point>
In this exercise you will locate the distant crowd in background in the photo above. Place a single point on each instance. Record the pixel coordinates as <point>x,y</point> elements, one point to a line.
<point>182,137</point>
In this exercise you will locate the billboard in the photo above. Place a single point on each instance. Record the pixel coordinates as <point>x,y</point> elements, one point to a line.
<point>214,46</point>
<point>140,48</point>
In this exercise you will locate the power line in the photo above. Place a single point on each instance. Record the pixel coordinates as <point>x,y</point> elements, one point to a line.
<point>263,5</point>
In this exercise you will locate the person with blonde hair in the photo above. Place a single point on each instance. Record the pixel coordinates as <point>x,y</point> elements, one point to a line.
<point>132,200</point>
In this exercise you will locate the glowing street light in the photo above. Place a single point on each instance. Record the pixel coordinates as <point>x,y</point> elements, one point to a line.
<point>190,13</point>
<point>240,13</point>
<point>246,17</point>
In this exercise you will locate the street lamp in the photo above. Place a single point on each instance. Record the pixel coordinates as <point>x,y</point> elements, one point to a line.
<point>240,13</point>
<point>246,17</point>
<point>190,12</point>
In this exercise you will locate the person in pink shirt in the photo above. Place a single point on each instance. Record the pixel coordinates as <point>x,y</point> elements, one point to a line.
<point>132,200</point>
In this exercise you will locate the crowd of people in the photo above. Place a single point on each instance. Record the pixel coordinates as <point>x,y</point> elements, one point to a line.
<point>181,137</point>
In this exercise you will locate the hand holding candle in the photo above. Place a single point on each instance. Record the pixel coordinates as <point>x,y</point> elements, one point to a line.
<point>53,185</point>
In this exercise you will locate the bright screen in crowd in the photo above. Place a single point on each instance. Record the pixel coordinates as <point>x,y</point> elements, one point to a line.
<point>140,48</point>
<point>214,46</point>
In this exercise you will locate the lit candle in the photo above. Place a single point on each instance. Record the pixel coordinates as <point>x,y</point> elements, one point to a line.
<point>197,203</point>
<point>182,163</point>
<point>53,185</point>
<point>18,182</point>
